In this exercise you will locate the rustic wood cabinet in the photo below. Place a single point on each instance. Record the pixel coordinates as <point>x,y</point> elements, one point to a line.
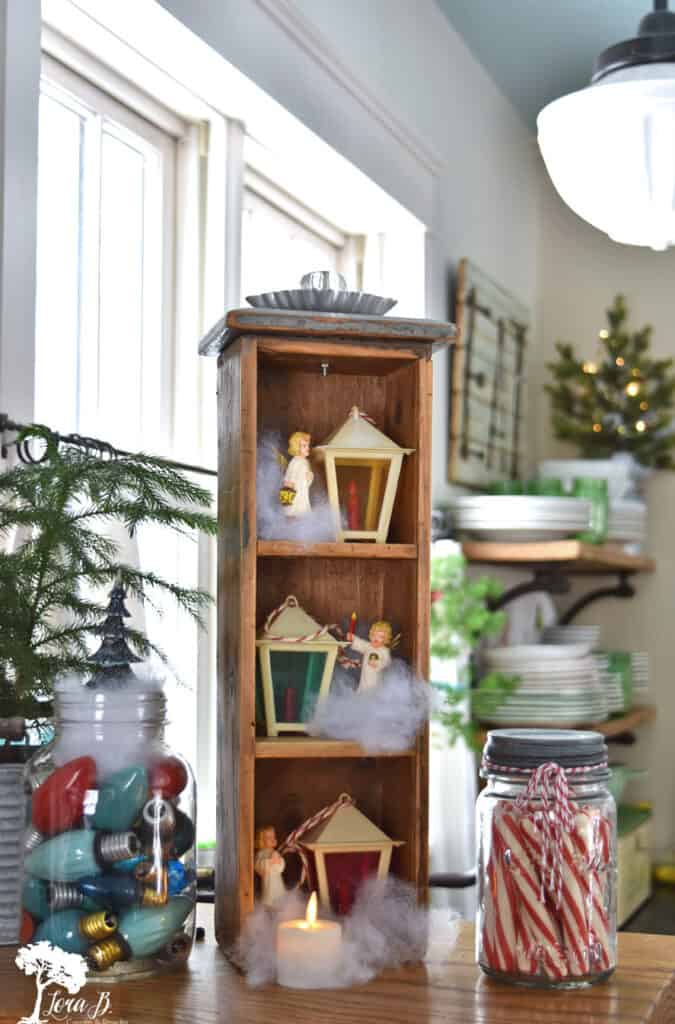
<point>287,372</point>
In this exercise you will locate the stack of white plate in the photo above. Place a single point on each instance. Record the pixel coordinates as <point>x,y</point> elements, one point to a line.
<point>520,518</point>
<point>618,472</point>
<point>627,522</point>
<point>612,684</point>
<point>559,685</point>
<point>640,669</point>
<point>572,635</point>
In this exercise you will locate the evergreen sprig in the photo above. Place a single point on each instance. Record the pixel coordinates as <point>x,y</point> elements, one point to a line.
<point>54,553</point>
<point>461,618</point>
<point>621,402</point>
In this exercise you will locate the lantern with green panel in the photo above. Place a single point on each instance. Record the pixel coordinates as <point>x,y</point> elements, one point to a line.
<point>296,659</point>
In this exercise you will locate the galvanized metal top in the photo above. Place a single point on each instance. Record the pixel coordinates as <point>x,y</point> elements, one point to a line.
<point>336,325</point>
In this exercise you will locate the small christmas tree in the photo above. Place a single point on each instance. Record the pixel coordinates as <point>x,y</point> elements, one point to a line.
<point>620,401</point>
<point>112,661</point>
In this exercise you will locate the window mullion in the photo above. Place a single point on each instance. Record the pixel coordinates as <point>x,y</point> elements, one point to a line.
<point>89,383</point>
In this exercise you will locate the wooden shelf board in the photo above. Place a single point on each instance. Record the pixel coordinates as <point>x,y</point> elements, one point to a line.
<point>632,719</point>
<point>295,549</point>
<point>579,557</point>
<point>307,746</point>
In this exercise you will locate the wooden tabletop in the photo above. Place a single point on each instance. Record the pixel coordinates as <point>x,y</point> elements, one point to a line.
<point>209,991</point>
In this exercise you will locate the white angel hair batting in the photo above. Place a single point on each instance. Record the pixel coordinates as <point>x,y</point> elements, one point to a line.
<point>385,928</point>
<point>314,528</point>
<point>384,719</point>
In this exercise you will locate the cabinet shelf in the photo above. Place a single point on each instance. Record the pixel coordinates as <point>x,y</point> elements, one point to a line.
<point>307,747</point>
<point>633,719</point>
<point>576,556</point>
<point>296,549</point>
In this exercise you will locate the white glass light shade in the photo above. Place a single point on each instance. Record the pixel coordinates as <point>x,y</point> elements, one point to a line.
<point>610,152</point>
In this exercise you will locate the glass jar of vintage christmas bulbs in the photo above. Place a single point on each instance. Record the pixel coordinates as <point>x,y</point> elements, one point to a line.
<point>546,859</point>
<point>109,865</point>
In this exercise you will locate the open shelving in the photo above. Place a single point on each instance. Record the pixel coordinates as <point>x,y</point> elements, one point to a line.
<point>575,555</point>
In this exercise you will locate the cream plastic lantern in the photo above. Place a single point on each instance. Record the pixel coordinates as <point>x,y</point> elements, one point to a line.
<point>297,657</point>
<point>363,466</point>
<point>345,851</point>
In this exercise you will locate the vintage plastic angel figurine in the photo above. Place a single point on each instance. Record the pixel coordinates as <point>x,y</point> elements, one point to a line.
<point>269,866</point>
<point>375,651</point>
<point>298,476</point>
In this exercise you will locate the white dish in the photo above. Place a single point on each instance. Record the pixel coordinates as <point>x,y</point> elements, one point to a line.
<point>510,536</point>
<point>540,652</point>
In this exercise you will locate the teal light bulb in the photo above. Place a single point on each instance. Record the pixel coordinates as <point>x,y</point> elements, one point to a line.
<point>35,898</point>
<point>141,932</point>
<point>75,931</point>
<point>147,929</point>
<point>73,855</point>
<point>120,799</point>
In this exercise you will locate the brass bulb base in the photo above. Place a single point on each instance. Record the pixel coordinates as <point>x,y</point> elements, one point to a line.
<point>99,925</point>
<point>106,953</point>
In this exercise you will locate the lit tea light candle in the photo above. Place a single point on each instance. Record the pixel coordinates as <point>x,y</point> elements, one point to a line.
<point>308,951</point>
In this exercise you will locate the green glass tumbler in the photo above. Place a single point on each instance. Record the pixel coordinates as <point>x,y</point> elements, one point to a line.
<point>594,490</point>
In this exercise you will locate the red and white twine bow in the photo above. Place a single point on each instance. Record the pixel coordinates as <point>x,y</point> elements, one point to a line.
<point>547,799</point>
<point>290,602</point>
<point>291,843</point>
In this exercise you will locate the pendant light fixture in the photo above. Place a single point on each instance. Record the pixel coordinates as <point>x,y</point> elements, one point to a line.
<point>610,148</point>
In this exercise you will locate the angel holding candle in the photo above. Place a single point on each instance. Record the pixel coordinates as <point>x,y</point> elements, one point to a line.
<point>375,651</point>
<point>269,866</point>
<point>298,476</point>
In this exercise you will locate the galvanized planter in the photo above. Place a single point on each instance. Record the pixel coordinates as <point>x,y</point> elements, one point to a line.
<point>12,826</point>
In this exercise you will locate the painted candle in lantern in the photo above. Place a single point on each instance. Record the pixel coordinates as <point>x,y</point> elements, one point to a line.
<point>309,951</point>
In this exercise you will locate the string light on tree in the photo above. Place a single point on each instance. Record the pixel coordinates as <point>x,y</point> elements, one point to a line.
<point>621,400</point>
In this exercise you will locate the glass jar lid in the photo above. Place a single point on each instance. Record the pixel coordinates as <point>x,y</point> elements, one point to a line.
<point>526,749</point>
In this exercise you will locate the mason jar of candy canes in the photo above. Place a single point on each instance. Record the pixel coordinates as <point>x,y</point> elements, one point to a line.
<point>109,865</point>
<point>546,859</point>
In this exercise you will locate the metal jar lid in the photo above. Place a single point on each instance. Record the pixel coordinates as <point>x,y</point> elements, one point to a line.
<point>528,748</point>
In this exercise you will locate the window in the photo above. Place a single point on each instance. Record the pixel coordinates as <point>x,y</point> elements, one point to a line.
<point>106,202</point>
<point>281,239</point>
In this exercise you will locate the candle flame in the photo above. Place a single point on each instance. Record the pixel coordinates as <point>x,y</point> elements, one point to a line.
<point>310,915</point>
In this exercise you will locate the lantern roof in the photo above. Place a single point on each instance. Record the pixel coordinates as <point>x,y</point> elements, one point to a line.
<point>359,432</point>
<point>291,624</point>
<point>349,828</point>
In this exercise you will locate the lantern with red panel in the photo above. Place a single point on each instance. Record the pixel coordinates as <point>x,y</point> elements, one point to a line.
<point>343,852</point>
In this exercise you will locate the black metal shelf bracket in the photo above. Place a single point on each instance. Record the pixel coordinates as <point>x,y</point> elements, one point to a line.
<point>623,589</point>
<point>549,579</point>
<point>555,580</point>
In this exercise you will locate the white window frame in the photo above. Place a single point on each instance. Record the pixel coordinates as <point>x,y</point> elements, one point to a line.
<point>94,103</point>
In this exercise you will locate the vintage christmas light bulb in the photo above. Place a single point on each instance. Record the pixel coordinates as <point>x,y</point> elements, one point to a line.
<point>74,930</point>
<point>74,855</point>
<point>27,928</point>
<point>117,891</point>
<point>34,898</point>
<point>57,803</point>
<point>67,896</point>
<point>141,932</point>
<point>177,877</point>
<point>184,836</point>
<point>120,799</point>
<point>167,777</point>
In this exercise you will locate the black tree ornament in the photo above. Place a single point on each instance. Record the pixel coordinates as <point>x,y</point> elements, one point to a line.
<point>112,661</point>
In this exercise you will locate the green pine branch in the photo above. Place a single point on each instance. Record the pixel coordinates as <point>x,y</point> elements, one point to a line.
<point>53,519</point>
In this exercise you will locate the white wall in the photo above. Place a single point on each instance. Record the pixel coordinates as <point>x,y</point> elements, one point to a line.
<point>408,98</point>
<point>580,271</point>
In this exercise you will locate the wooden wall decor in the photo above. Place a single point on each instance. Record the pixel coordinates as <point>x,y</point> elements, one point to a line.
<point>308,371</point>
<point>487,382</point>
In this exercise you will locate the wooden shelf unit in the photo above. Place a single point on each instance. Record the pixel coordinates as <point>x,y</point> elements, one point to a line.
<point>271,381</point>
<point>574,554</point>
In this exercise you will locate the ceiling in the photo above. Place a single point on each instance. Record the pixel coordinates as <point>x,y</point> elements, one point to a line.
<point>536,51</point>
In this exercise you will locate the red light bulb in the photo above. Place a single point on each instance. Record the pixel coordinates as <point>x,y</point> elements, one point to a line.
<point>167,778</point>
<point>27,927</point>
<point>57,803</point>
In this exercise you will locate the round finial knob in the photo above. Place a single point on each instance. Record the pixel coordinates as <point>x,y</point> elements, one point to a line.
<point>324,280</point>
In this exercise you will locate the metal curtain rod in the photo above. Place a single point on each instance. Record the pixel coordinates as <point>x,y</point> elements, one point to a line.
<point>92,446</point>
